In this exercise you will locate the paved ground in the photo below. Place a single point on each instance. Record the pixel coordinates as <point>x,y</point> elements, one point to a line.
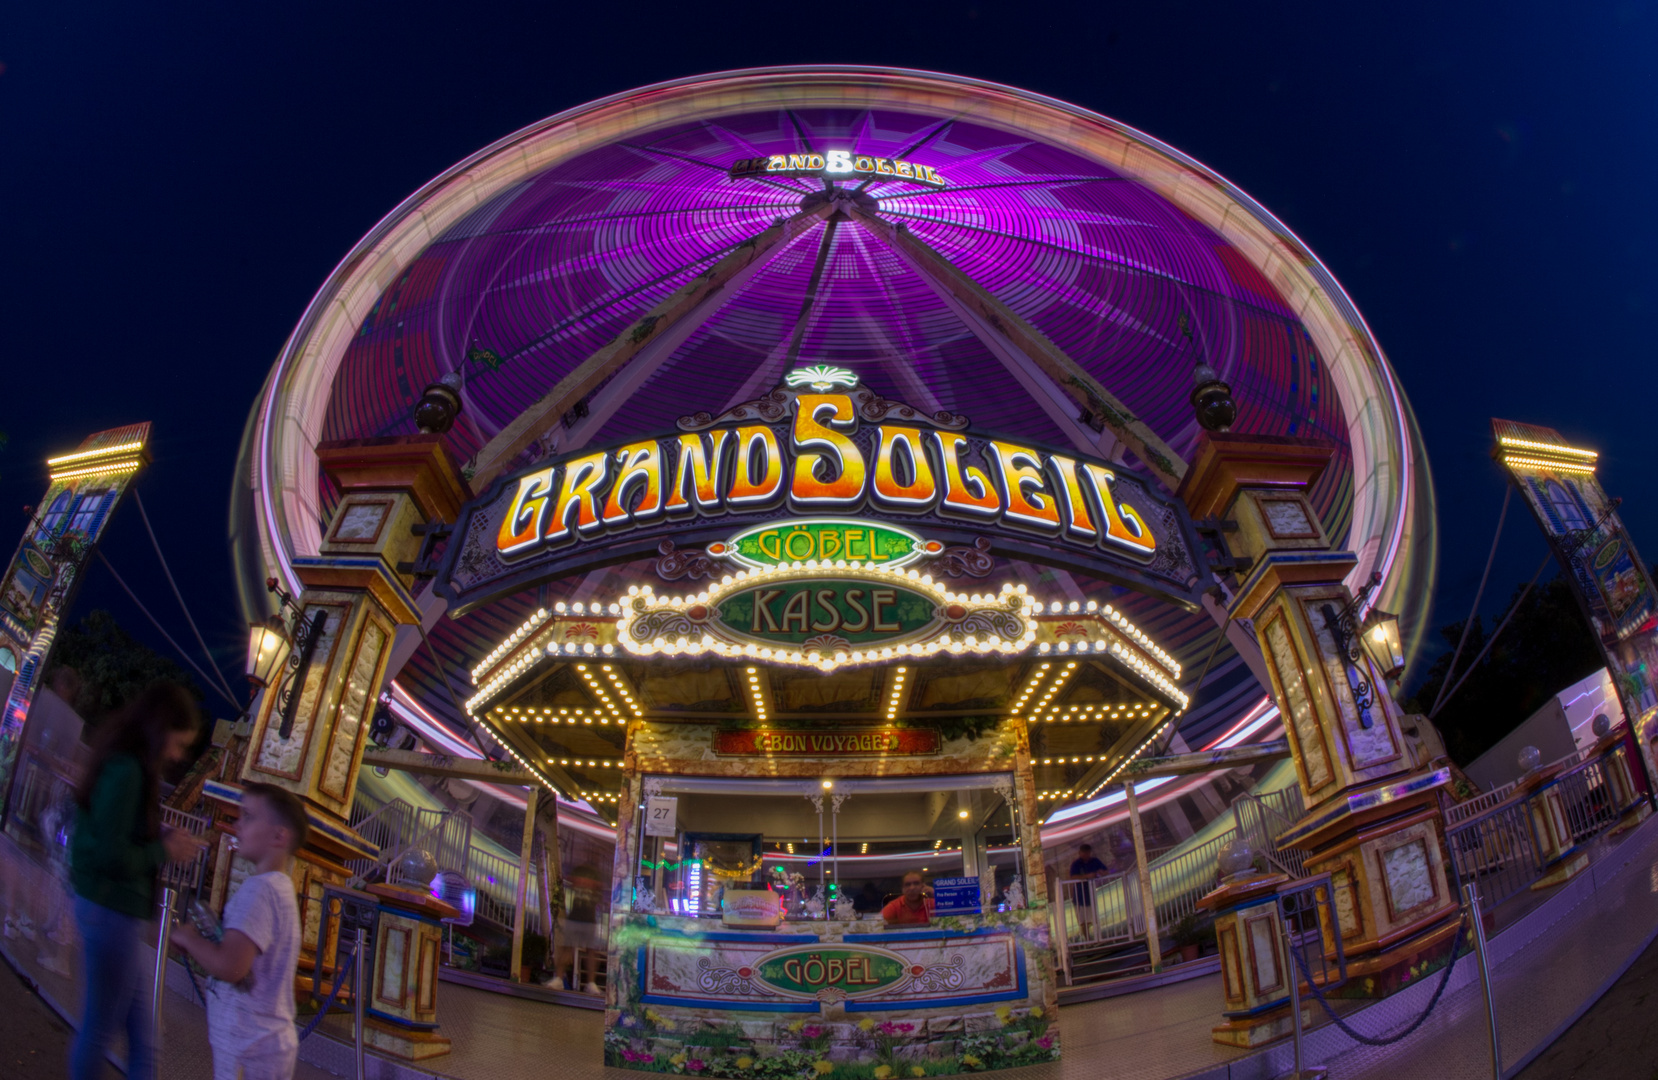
<point>1617,1037</point>
<point>36,1046</point>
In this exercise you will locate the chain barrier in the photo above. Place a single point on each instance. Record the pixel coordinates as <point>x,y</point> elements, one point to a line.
<point>333,995</point>
<point>1368,1040</point>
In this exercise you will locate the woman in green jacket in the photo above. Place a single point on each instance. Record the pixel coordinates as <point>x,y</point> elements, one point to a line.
<point>118,848</point>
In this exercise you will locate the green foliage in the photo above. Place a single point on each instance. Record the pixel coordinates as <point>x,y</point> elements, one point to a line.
<point>114,668</point>
<point>1545,648</point>
<point>964,727</point>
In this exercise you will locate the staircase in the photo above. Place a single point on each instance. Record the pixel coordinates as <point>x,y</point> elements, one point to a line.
<point>398,828</point>
<point>1099,925</point>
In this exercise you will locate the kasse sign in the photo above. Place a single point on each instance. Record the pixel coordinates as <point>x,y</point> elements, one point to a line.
<point>821,447</point>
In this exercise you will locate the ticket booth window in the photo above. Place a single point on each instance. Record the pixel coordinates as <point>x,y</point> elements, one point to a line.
<point>826,852</point>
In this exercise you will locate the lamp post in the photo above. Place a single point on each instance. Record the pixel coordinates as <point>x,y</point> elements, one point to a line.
<point>271,643</point>
<point>1381,641</point>
<point>268,647</point>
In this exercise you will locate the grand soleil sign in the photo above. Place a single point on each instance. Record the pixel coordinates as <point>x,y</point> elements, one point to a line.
<point>838,165</point>
<point>819,469</point>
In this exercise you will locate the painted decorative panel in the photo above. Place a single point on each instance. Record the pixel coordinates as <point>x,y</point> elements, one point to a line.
<point>1231,964</point>
<point>1408,875</point>
<point>1262,931</point>
<point>391,968</point>
<point>1286,663</point>
<point>1287,519</point>
<point>1348,915</point>
<point>361,522</point>
<point>865,972</point>
<point>350,717</point>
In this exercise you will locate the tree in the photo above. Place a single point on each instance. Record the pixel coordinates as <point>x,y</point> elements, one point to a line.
<point>1545,648</point>
<point>113,666</point>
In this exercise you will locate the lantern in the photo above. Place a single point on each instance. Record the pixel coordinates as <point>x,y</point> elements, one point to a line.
<point>268,646</point>
<point>1381,641</point>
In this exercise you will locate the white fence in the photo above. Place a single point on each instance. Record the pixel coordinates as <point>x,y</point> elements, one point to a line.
<point>398,828</point>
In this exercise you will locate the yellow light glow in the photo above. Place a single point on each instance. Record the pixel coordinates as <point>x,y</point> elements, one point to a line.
<point>96,470</point>
<point>1553,466</point>
<point>102,451</point>
<point>1553,448</point>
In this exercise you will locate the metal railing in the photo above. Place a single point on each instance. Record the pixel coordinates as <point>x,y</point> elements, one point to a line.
<point>1263,818</point>
<point>398,828</point>
<point>1499,849</point>
<point>186,875</point>
<point>1101,912</point>
<point>1479,804</point>
<point>1586,795</point>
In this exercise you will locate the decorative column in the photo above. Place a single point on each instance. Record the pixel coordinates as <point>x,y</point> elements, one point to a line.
<point>1255,972</point>
<point>310,728</point>
<point>1372,823</point>
<point>1620,754</point>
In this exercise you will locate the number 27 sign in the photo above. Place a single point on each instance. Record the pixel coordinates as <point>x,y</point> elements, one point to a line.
<point>661,815</point>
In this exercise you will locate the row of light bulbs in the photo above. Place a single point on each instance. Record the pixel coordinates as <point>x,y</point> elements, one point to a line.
<point>592,763</point>
<point>1054,794</point>
<point>1150,673</point>
<point>1141,638</point>
<point>599,691</point>
<point>754,689</point>
<point>95,470</point>
<point>1053,687</point>
<point>511,642</point>
<point>1090,712</point>
<point>1553,448</point>
<point>897,692</point>
<point>1126,762</point>
<point>516,756</point>
<point>621,688</point>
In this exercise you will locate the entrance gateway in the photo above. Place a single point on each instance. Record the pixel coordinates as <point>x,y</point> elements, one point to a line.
<point>919,579</point>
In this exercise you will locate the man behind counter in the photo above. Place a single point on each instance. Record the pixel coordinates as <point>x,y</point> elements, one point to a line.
<point>912,907</point>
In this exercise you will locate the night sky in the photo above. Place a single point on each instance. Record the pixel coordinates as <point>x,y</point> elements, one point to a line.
<point>176,182</point>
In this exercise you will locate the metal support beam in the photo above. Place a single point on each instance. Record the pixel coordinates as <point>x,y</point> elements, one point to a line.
<point>476,769</point>
<point>1208,761</point>
<point>1030,342</point>
<point>695,300</point>
<point>523,895</point>
<point>1148,902</point>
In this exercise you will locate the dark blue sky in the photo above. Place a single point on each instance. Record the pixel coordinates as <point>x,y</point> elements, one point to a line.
<point>176,182</point>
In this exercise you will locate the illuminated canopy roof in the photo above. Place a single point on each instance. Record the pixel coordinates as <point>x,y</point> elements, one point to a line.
<point>1064,237</point>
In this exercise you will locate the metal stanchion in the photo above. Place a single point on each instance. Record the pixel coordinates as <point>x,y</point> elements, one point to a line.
<point>159,987</point>
<point>357,998</point>
<point>1301,1072</point>
<point>1471,894</point>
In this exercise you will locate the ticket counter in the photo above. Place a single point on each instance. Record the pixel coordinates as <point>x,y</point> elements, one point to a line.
<point>749,907</point>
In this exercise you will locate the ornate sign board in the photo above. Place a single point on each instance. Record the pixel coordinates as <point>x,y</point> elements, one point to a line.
<point>838,165</point>
<point>821,464</point>
<point>1608,576</point>
<point>40,583</point>
<point>807,616</point>
<point>827,743</point>
<point>874,972</point>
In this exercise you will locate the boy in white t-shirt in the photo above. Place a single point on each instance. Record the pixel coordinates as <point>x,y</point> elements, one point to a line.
<point>250,1002</point>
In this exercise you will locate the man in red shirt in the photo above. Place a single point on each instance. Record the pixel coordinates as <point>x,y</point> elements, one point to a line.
<point>912,908</point>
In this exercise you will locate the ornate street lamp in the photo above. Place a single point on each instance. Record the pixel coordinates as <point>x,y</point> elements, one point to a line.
<point>1353,642</point>
<point>1381,641</point>
<point>268,647</point>
<point>272,642</point>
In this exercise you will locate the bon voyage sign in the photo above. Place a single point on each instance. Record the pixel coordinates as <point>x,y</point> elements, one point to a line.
<point>844,742</point>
